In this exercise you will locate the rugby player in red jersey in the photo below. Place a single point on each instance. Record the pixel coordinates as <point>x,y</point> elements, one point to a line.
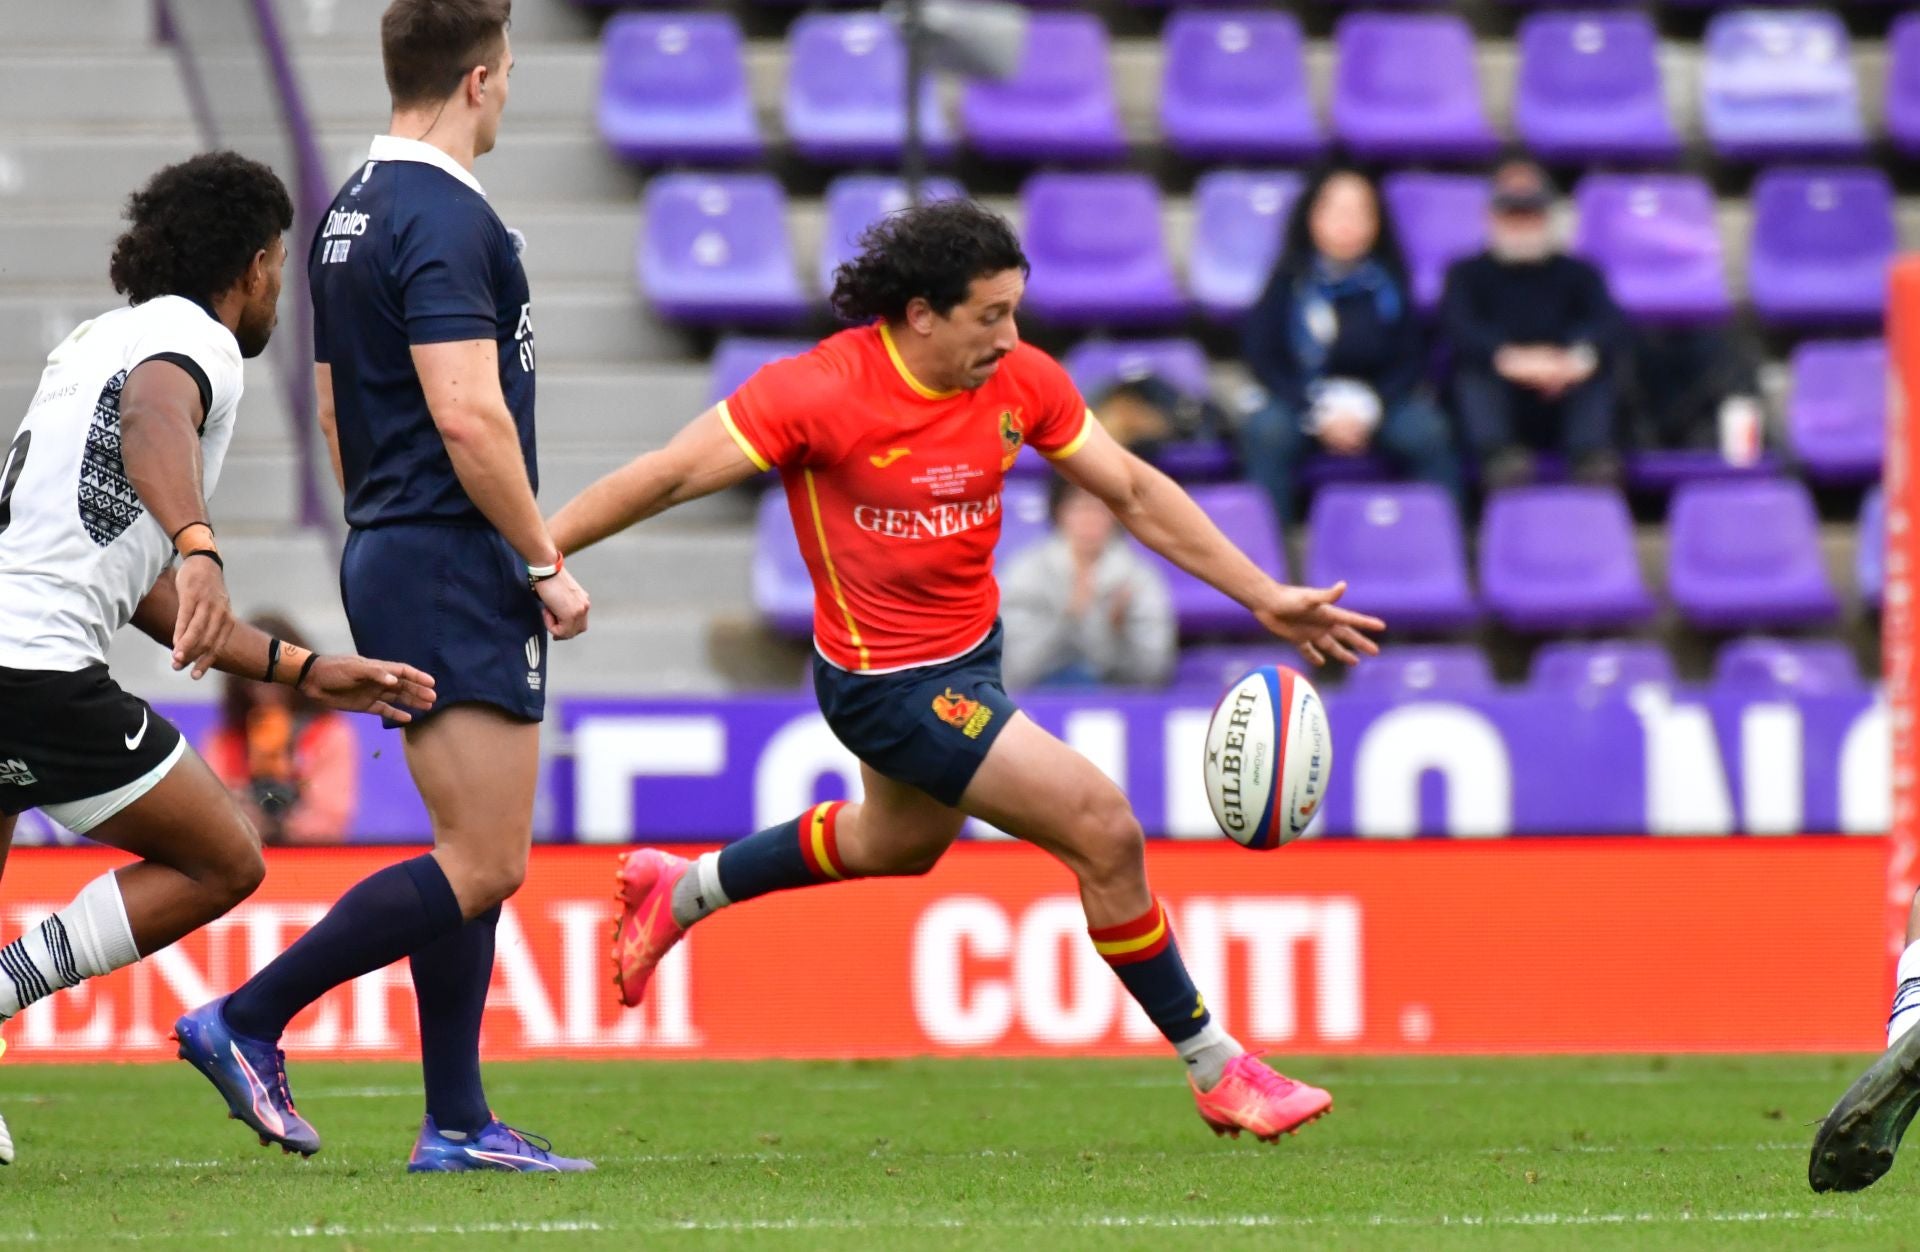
<point>892,440</point>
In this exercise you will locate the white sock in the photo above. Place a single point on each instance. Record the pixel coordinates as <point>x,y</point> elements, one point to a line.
<point>1906,994</point>
<point>88,938</point>
<point>1207,1053</point>
<point>698,892</point>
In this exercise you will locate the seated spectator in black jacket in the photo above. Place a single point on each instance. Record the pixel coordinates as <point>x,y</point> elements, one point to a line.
<point>1535,337</point>
<point>1336,343</point>
<point>1695,387</point>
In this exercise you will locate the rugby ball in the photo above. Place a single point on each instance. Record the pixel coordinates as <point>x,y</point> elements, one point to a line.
<point>1269,754</point>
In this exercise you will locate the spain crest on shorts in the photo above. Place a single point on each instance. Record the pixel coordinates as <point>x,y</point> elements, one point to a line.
<point>1012,433</point>
<point>965,715</point>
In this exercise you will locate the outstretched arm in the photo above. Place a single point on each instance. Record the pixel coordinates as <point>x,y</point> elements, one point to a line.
<point>702,459</point>
<point>352,683</point>
<point>1165,518</point>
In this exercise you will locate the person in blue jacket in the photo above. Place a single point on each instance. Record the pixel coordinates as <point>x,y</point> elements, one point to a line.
<point>1337,345</point>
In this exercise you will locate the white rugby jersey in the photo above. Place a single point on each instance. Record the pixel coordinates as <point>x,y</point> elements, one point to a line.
<point>78,551</point>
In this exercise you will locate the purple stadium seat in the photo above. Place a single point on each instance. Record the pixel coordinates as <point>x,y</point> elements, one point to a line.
<point>1405,88</point>
<point>1780,83</point>
<point>1059,105</point>
<point>1432,671</point>
<point>1903,83</point>
<point>1238,218</point>
<point>1097,364</point>
<point>736,358</point>
<point>782,590</point>
<point>1561,558</point>
<point>856,201</point>
<point>1655,238</point>
<point>1023,519</point>
<point>1798,667</point>
<point>1197,461</point>
<point>1602,667</point>
<point>1837,418</point>
<point>714,251</point>
<point>1441,218</point>
<point>1214,667</point>
<point>1235,87</point>
<point>1822,242</point>
<point>1661,470</point>
<point>846,91</point>
<point>1746,553</point>
<point>1589,89</point>
<point>1870,562</point>
<point>673,87</point>
<point>1099,258</point>
<point>1400,550</point>
<point>1246,515</point>
<point>1325,469</point>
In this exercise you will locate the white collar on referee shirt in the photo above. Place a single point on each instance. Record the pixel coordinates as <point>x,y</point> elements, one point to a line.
<point>395,148</point>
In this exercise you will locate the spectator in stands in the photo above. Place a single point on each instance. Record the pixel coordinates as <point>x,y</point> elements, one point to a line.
<point>290,761</point>
<point>1146,415</point>
<point>1083,606</point>
<point>1694,387</point>
<point>1535,338</point>
<point>1336,344</point>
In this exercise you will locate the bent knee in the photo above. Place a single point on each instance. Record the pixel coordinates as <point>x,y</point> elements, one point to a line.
<point>482,881</point>
<point>495,883</point>
<point>915,862</point>
<point>238,877</point>
<point>1108,841</point>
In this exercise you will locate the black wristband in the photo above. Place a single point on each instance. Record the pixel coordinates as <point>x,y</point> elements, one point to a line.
<point>175,536</point>
<point>209,553</point>
<point>306,667</point>
<point>273,656</point>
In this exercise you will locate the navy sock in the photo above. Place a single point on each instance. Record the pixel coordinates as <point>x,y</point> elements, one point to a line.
<point>383,917</point>
<point>1144,955</point>
<point>798,853</point>
<point>450,979</point>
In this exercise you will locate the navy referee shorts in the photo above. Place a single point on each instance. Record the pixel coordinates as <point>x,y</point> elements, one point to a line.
<point>453,601</point>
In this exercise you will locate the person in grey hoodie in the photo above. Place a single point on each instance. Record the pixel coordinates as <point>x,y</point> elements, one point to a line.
<point>1083,607</point>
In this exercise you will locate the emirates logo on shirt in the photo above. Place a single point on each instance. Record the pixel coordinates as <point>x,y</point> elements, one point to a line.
<point>934,522</point>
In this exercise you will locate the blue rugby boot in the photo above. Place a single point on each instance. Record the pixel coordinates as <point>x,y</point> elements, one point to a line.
<point>250,1073</point>
<point>495,1146</point>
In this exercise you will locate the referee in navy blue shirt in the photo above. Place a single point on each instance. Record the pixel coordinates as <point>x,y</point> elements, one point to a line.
<point>424,351</point>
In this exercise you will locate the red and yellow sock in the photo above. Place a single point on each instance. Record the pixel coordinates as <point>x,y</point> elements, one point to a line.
<point>797,853</point>
<point>819,841</point>
<point>1147,961</point>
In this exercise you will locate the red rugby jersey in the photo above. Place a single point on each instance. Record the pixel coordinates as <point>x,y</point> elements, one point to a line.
<point>895,488</point>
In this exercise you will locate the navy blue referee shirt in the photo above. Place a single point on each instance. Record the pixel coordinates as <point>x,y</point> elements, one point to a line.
<point>410,252</point>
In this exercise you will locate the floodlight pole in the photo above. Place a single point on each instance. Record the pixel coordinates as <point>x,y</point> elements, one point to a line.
<point>913,156</point>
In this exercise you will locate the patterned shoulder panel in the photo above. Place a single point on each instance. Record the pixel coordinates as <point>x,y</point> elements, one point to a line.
<point>107,501</point>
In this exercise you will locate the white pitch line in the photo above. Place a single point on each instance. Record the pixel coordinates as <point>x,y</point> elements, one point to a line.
<point>1654,1149</point>
<point>1094,1221</point>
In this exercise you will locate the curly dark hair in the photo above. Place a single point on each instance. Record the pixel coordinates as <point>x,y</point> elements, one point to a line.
<point>1296,248</point>
<point>196,227</point>
<point>933,251</point>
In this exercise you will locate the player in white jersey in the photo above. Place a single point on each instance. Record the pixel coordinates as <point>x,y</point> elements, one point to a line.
<point>103,521</point>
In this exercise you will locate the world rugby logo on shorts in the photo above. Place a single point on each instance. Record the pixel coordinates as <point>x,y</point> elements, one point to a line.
<point>533,661</point>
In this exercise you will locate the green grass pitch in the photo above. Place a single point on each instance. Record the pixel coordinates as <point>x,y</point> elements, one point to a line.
<point>1627,1153</point>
